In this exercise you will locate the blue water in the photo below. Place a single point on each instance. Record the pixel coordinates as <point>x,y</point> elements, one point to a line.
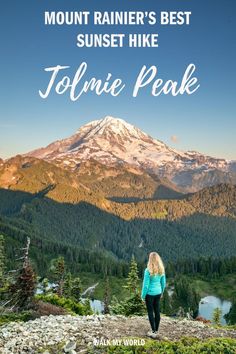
<point>97,306</point>
<point>209,303</point>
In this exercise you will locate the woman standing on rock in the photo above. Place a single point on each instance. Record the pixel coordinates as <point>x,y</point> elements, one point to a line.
<point>154,283</point>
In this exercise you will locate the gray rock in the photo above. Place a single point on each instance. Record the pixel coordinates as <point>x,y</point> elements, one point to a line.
<point>69,347</point>
<point>29,337</point>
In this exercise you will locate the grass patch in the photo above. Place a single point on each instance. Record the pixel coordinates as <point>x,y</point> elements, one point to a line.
<point>183,346</point>
<point>55,349</point>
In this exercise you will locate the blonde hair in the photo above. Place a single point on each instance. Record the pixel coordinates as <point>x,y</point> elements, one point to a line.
<point>155,264</point>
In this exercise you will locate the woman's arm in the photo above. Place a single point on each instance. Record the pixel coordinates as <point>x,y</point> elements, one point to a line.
<point>146,281</point>
<point>163,283</point>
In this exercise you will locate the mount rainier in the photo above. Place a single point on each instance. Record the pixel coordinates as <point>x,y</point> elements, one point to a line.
<point>114,142</point>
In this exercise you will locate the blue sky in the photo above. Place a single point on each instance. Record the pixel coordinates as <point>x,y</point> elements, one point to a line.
<point>204,121</point>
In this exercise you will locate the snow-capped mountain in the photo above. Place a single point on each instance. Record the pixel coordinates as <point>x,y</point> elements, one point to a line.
<point>113,141</point>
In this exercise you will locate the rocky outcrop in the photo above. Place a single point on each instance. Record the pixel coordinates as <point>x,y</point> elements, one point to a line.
<point>74,334</point>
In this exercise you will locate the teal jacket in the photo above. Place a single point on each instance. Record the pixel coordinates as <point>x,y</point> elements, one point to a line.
<point>153,284</point>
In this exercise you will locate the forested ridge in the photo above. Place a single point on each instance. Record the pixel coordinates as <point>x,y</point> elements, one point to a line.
<point>63,216</point>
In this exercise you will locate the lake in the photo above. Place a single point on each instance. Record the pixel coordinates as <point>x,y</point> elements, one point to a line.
<point>209,303</point>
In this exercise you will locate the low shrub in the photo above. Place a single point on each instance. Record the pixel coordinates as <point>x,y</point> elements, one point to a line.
<point>69,305</point>
<point>16,317</point>
<point>131,306</point>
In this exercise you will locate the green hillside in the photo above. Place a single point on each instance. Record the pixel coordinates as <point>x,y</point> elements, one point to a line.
<point>64,217</point>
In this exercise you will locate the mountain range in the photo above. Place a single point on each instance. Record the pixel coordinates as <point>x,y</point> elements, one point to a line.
<point>113,142</point>
<point>110,191</point>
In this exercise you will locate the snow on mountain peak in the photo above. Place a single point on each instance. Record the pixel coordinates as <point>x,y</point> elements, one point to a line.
<point>113,141</point>
<point>111,125</point>
<point>108,140</point>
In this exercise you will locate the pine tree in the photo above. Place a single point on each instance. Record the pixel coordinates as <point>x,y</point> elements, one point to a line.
<point>59,272</point>
<point>76,288</point>
<point>67,286</point>
<point>24,288</point>
<point>217,316</point>
<point>133,304</point>
<point>133,279</point>
<point>106,299</point>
